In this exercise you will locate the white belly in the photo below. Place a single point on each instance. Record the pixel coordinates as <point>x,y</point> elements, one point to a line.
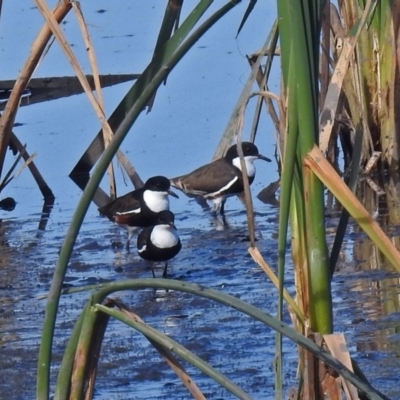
<point>163,236</point>
<point>156,201</point>
<point>250,167</point>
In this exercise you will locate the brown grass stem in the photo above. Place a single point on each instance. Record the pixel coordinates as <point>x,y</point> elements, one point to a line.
<point>326,173</point>
<point>36,51</point>
<point>165,353</point>
<point>258,258</point>
<point>107,132</point>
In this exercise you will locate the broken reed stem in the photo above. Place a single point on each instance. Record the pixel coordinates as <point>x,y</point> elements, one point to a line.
<point>43,187</point>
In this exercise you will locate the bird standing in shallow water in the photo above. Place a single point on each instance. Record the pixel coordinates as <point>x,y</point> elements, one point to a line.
<point>140,207</point>
<point>160,242</point>
<point>221,178</point>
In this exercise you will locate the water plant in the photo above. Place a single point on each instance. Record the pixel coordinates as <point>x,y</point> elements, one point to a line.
<point>307,109</point>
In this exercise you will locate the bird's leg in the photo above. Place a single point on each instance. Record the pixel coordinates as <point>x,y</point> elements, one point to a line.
<point>202,203</point>
<point>218,205</point>
<point>150,264</point>
<point>131,231</point>
<point>128,242</point>
<point>164,275</point>
<point>222,208</point>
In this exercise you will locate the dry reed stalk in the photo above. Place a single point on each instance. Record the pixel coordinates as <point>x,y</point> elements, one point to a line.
<point>246,186</point>
<point>326,173</point>
<point>261,81</point>
<point>107,133</point>
<point>329,109</point>
<point>43,187</point>
<point>80,75</point>
<point>42,6</point>
<point>37,48</point>
<point>337,346</point>
<point>258,258</point>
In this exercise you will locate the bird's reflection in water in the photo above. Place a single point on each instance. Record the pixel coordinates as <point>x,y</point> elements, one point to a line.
<point>220,223</point>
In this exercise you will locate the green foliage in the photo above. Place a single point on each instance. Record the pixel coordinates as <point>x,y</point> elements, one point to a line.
<point>140,93</point>
<point>301,201</point>
<point>93,308</point>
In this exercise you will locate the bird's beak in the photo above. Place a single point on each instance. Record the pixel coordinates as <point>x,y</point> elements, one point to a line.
<point>261,157</point>
<point>172,225</point>
<point>171,193</point>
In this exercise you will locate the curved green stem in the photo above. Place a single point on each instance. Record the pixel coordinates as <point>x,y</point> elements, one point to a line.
<point>43,379</point>
<point>177,348</point>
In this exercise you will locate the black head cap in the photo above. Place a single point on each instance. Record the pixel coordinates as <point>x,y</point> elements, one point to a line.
<point>157,184</point>
<point>249,149</point>
<point>165,217</point>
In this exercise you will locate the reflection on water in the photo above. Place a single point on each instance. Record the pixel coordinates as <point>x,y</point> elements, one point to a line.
<point>367,291</point>
<point>370,327</point>
<point>365,295</point>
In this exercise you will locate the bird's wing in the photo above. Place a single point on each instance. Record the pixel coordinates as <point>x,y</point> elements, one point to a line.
<point>128,203</point>
<point>209,179</point>
<point>142,239</point>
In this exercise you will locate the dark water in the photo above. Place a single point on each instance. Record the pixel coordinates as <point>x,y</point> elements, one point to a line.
<point>181,132</point>
<point>235,345</point>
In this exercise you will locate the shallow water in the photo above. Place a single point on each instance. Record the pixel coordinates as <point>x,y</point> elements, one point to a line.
<point>129,367</point>
<point>179,134</point>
